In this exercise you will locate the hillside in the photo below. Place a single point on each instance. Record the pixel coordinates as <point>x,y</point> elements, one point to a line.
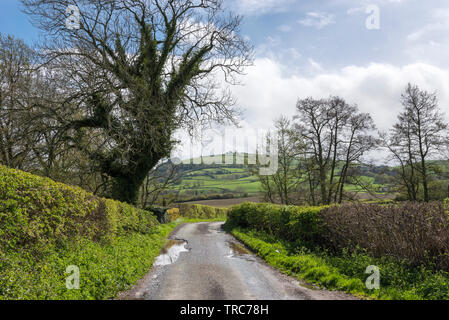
<point>208,178</point>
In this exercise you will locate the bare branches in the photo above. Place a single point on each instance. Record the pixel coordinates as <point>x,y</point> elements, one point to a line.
<point>336,136</point>
<point>419,134</point>
<point>139,70</point>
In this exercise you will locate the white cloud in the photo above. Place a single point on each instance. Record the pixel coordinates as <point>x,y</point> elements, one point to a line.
<point>355,10</point>
<point>317,20</point>
<point>430,43</point>
<point>316,67</point>
<point>432,29</point>
<point>376,88</point>
<point>268,93</point>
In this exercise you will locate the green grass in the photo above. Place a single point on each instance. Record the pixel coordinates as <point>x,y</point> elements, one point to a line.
<point>209,181</point>
<point>196,211</point>
<point>105,268</point>
<point>346,272</point>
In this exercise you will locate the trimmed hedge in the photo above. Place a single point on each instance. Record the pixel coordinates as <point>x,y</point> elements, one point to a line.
<point>196,211</point>
<point>416,232</point>
<point>333,246</point>
<point>36,211</point>
<point>173,214</point>
<point>46,226</point>
<point>286,222</point>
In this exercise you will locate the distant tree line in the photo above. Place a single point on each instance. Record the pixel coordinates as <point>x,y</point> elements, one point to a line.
<point>322,148</point>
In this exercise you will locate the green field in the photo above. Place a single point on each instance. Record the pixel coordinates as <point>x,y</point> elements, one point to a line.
<point>219,180</point>
<point>210,178</point>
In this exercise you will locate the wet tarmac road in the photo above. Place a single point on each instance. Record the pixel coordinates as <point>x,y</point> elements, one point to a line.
<point>202,262</point>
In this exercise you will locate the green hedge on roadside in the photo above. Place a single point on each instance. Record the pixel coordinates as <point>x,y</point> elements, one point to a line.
<point>196,211</point>
<point>46,226</point>
<point>286,222</point>
<point>38,212</point>
<point>302,241</point>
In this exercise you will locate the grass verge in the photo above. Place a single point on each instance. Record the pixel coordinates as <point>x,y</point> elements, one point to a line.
<point>398,281</point>
<point>105,268</point>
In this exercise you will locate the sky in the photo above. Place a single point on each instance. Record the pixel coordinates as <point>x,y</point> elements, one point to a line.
<point>318,48</point>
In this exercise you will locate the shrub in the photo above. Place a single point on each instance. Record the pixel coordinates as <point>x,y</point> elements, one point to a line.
<point>417,232</point>
<point>37,212</point>
<point>173,214</point>
<point>286,222</point>
<point>46,226</point>
<point>438,189</point>
<point>196,211</point>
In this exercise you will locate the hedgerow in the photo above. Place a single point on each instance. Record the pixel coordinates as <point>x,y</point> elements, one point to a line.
<point>37,212</point>
<point>47,226</point>
<point>291,223</point>
<point>346,271</point>
<point>416,232</point>
<point>196,211</point>
<point>333,246</point>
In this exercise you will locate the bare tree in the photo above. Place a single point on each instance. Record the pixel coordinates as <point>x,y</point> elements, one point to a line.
<point>136,72</point>
<point>401,153</point>
<point>337,136</point>
<point>16,78</point>
<point>313,124</point>
<point>282,186</point>
<point>157,183</point>
<point>357,142</point>
<point>339,113</point>
<point>418,136</point>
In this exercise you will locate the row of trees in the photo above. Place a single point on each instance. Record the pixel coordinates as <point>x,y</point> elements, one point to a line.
<point>31,132</point>
<point>98,105</point>
<point>323,146</point>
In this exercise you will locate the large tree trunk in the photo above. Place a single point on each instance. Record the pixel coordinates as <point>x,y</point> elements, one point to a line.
<point>127,182</point>
<point>126,188</point>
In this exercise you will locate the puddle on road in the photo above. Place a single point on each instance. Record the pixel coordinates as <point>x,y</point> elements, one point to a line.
<point>238,250</point>
<point>171,252</point>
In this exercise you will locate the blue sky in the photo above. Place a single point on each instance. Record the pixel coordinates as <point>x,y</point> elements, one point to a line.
<point>15,22</point>
<point>329,32</point>
<point>336,35</point>
<point>323,47</point>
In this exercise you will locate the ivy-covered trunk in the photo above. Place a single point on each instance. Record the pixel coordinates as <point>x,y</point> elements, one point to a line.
<point>126,184</point>
<point>135,73</point>
<point>126,189</point>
